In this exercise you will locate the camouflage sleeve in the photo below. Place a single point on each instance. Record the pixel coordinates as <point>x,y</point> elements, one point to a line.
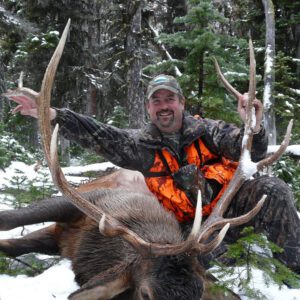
<point>227,140</point>
<point>116,145</point>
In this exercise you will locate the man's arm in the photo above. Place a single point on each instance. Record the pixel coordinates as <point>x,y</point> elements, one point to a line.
<point>227,138</point>
<point>116,145</point>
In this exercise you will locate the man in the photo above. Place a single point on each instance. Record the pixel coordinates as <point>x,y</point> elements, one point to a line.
<point>176,152</point>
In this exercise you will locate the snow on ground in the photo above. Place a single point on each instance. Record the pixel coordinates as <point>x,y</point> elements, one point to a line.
<point>58,281</point>
<point>55,283</point>
<point>272,292</point>
<point>21,170</point>
<point>93,167</point>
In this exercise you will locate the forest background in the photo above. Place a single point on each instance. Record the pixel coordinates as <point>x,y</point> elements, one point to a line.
<point>115,47</point>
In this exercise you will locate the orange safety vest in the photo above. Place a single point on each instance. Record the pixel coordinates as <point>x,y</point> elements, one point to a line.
<point>173,198</point>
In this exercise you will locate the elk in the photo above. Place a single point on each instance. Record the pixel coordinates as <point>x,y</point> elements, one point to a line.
<point>122,243</point>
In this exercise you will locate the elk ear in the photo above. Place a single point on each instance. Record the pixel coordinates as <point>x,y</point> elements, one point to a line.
<point>103,286</point>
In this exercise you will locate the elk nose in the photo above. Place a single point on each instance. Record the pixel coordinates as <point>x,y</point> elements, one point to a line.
<point>145,293</point>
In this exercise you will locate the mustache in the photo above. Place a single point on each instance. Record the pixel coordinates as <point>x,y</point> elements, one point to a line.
<point>163,111</point>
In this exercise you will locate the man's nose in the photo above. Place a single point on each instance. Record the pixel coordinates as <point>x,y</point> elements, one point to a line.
<point>164,105</point>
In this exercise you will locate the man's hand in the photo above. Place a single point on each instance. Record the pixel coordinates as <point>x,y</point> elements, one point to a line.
<point>26,100</point>
<point>242,104</point>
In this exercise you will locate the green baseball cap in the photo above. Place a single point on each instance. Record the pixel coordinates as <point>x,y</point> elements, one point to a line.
<point>163,82</point>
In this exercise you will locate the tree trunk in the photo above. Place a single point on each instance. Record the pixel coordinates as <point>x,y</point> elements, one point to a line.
<point>200,84</point>
<point>65,153</point>
<point>92,101</point>
<point>133,52</point>
<point>2,88</point>
<point>33,135</point>
<point>269,77</point>
<point>297,38</point>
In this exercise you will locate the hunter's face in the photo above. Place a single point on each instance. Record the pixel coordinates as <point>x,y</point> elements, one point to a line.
<point>165,109</point>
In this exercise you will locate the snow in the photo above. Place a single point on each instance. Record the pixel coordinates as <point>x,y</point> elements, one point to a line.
<point>288,104</point>
<point>58,282</point>
<point>55,283</point>
<point>269,60</point>
<point>54,32</point>
<point>270,292</point>
<point>295,91</point>
<point>17,169</point>
<point>248,167</point>
<point>156,34</point>
<point>268,69</point>
<point>237,74</point>
<point>267,96</point>
<point>93,167</point>
<point>292,149</point>
<point>27,172</point>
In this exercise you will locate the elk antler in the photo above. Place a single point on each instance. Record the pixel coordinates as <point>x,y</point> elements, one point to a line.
<point>226,84</point>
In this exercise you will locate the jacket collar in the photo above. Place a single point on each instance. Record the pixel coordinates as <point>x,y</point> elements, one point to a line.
<point>192,129</point>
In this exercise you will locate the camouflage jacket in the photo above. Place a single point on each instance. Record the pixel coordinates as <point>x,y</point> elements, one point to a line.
<point>135,149</point>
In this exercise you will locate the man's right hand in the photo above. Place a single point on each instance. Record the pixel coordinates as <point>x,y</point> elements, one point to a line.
<point>26,100</point>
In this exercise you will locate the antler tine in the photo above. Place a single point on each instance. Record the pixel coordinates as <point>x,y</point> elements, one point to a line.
<point>198,218</point>
<point>59,179</point>
<point>225,82</point>
<point>276,155</point>
<point>208,247</point>
<point>43,106</point>
<point>252,75</point>
<point>44,98</point>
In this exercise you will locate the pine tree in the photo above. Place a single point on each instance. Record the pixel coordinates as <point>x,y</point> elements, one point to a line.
<point>286,95</point>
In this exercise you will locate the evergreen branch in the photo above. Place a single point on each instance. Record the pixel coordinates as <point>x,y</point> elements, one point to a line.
<point>36,270</point>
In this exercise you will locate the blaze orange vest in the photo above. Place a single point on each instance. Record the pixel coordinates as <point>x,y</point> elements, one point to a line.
<point>173,198</point>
